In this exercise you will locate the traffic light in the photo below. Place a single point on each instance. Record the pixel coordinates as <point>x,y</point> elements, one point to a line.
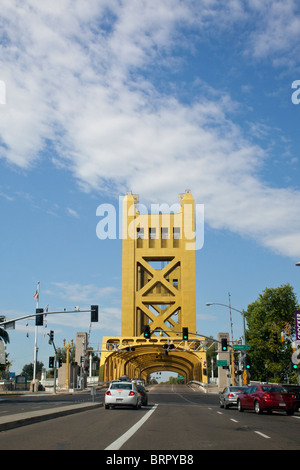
<point>94,313</point>
<point>39,319</point>
<point>147,332</point>
<point>51,362</point>
<point>248,362</point>
<point>51,336</point>
<point>185,334</point>
<point>224,344</point>
<point>168,346</point>
<point>60,362</point>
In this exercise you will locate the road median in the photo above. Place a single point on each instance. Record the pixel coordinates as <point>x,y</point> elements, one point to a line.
<point>22,419</point>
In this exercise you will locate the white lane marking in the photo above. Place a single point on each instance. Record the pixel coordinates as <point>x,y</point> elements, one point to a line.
<point>117,444</point>
<point>263,435</point>
<point>234,420</point>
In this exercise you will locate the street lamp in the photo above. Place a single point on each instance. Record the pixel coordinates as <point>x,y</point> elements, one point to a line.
<point>298,264</point>
<point>241,312</point>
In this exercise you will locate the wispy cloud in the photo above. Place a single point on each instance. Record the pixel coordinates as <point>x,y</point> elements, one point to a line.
<point>6,196</point>
<point>80,294</point>
<point>73,213</point>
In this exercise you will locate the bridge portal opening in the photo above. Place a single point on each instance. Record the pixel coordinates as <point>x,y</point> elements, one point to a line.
<point>166,376</point>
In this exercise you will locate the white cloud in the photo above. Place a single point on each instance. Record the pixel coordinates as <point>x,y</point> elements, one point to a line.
<point>73,213</point>
<point>81,294</point>
<point>78,77</point>
<point>278,31</point>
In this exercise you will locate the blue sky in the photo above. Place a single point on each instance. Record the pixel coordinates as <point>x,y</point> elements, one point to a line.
<point>102,97</point>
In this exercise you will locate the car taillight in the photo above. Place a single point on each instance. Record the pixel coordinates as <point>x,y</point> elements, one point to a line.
<point>293,396</point>
<point>131,393</point>
<point>266,396</point>
<point>108,393</point>
<point>230,395</point>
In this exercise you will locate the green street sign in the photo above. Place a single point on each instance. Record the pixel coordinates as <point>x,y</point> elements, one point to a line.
<point>221,363</point>
<point>241,346</point>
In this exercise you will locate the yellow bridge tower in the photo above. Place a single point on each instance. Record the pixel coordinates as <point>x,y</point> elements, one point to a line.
<point>158,292</point>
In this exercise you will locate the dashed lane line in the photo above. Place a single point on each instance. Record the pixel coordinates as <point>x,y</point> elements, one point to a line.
<point>117,444</point>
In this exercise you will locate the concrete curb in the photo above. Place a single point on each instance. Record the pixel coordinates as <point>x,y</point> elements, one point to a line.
<point>22,419</point>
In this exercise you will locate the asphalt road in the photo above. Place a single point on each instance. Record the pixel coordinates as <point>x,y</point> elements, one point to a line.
<point>177,418</point>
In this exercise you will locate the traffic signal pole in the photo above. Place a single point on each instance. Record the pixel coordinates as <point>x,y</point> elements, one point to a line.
<point>40,312</point>
<point>8,323</point>
<point>51,341</point>
<point>35,335</point>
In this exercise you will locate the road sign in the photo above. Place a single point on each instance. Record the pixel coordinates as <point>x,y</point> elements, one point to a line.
<point>297,324</point>
<point>221,363</point>
<point>241,346</point>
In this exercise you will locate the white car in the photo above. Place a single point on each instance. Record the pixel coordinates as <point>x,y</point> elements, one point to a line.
<point>122,394</point>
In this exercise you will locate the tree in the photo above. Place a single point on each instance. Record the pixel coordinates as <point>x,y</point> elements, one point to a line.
<point>27,370</point>
<point>272,313</point>
<point>61,353</point>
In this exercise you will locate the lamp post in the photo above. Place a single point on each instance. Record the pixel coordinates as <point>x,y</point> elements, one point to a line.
<point>244,330</point>
<point>241,312</point>
<point>68,347</point>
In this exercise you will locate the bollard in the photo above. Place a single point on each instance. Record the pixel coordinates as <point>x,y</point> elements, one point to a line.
<point>93,393</point>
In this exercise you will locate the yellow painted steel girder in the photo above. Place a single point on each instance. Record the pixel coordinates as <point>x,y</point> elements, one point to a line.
<point>139,357</point>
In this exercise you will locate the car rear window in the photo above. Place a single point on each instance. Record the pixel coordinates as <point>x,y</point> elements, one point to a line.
<point>270,388</point>
<point>120,386</point>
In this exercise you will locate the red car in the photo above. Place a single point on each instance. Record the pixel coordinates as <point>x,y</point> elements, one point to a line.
<point>267,397</point>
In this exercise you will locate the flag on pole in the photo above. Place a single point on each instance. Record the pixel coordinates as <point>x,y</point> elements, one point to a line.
<point>36,295</point>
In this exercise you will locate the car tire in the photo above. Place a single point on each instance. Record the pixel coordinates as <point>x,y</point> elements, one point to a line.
<point>257,408</point>
<point>221,405</point>
<point>106,407</point>
<point>239,406</point>
<point>290,412</point>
